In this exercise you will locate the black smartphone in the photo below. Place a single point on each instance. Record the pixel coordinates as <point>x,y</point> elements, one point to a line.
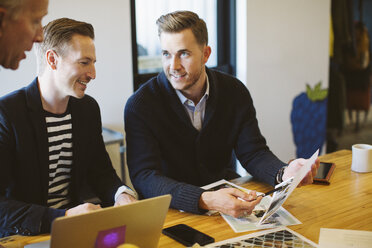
<point>187,235</point>
<point>324,173</point>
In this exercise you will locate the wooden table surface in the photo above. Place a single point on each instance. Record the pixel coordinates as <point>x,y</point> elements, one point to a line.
<point>346,204</point>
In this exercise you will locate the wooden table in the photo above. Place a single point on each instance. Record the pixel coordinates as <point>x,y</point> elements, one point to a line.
<point>346,203</point>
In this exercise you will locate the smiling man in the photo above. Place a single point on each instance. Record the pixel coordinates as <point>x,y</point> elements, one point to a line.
<point>185,126</point>
<point>51,145</point>
<point>20,27</point>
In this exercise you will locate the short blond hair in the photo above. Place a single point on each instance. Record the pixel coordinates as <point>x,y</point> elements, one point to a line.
<point>178,21</point>
<point>57,34</point>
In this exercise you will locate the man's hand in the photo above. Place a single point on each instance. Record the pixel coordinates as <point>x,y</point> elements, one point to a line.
<point>295,166</point>
<point>124,199</point>
<point>82,209</point>
<point>226,201</point>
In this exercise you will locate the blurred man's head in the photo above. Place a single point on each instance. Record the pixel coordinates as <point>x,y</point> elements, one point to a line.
<point>20,27</point>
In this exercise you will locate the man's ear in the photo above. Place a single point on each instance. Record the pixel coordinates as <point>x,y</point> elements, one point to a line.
<point>206,53</point>
<point>52,59</point>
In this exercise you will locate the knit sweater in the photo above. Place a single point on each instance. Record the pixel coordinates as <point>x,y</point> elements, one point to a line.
<point>167,155</point>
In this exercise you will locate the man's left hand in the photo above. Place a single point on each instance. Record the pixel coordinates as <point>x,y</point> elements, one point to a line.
<point>124,199</point>
<point>295,166</point>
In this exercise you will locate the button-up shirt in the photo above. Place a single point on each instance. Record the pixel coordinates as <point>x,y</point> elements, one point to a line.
<point>196,113</point>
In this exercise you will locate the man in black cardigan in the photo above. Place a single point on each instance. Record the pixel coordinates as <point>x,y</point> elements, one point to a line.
<point>185,126</point>
<point>51,144</point>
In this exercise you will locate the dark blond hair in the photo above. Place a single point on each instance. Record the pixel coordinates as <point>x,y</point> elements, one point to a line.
<point>180,20</point>
<point>57,35</point>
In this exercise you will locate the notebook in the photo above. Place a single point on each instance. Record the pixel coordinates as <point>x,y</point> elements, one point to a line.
<point>138,223</point>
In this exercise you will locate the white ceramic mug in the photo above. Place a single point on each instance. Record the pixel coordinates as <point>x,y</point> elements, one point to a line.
<point>361,158</point>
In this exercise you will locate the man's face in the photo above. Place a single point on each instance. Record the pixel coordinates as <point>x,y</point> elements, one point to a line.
<point>18,34</point>
<point>183,59</point>
<point>75,68</point>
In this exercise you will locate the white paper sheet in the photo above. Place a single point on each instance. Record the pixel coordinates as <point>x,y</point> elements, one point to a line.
<point>341,238</point>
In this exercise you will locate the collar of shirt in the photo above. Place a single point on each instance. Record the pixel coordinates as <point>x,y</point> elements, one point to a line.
<point>196,113</point>
<point>185,100</point>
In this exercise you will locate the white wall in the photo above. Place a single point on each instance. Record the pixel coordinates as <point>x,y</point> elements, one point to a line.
<point>286,47</point>
<point>114,82</point>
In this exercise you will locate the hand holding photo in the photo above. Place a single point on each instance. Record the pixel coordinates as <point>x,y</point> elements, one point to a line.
<point>250,222</point>
<point>288,186</point>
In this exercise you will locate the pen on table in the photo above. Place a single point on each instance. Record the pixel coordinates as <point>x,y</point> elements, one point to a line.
<point>270,192</point>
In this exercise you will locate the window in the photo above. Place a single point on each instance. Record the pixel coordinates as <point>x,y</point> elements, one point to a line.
<point>219,16</point>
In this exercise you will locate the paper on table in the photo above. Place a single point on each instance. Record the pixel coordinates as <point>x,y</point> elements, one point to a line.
<point>279,197</point>
<point>249,223</point>
<point>341,238</point>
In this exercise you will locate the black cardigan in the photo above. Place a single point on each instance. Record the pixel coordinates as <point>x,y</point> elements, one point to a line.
<point>24,162</point>
<point>167,155</point>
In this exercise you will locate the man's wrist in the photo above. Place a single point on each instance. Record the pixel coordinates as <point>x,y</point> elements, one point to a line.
<point>279,175</point>
<point>127,190</point>
<point>205,200</point>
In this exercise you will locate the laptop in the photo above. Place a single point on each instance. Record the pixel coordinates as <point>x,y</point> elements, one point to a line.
<point>139,223</point>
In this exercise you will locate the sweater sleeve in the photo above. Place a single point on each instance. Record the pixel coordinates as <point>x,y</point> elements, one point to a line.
<point>144,163</point>
<point>22,218</point>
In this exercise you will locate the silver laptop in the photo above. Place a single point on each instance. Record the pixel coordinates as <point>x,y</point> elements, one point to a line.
<point>139,223</point>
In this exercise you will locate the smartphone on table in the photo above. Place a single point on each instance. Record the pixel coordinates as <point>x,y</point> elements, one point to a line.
<point>187,235</point>
<point>324,173</point>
